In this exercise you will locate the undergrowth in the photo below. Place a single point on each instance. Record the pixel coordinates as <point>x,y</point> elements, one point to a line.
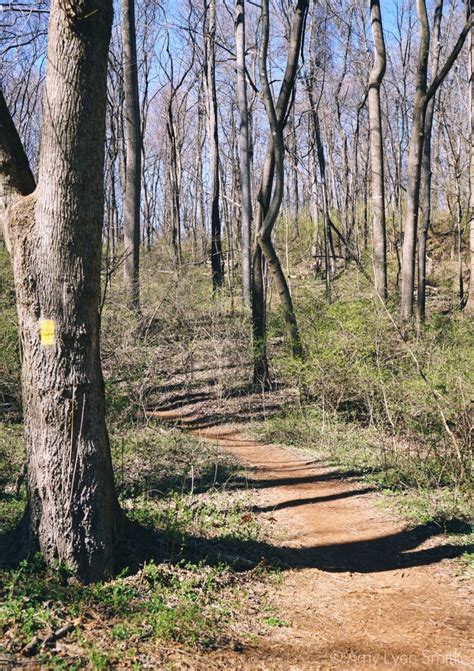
<point>382,402</point>
<point>188,496</point>
<point>392,409</point>
<point>117,624</point>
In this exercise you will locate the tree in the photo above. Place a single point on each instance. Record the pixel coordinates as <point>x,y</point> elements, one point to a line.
<point>211,97</point>
<point>414,166</point>
<point>55,232</point>
<point>246,199</point>
<point>426,170</point>
<point>376,153</point>
<point>470,301</point>
<point>270,195</point>
<point>319,160</point>
<point>415,154</point>
<point>131,225</point>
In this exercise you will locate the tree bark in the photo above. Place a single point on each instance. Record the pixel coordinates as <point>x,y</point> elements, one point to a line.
<point>470,300</point>
<point>426,170</point>
<point>72,513</point>
<point>210,67</point>
<point>265,221</point>
<point>377,154</point>
<point>133,155</point>
<point>423,95</point>
<point>16,178</point>
<point>175,205</point>
<point>414,167</point>
<point>245,196</point>
<point>320,160</point>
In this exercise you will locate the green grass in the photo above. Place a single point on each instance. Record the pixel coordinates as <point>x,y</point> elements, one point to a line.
<point>362,405</point>
<point>188,604</point>
<point>368,396</point>
<point>409,478</point>
<point>184,604</point>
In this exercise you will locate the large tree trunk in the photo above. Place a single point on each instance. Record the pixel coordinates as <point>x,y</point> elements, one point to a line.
<point>426,170</point>
<point>133,155</point>
<point>470,300</point>
<point>210,58</point>
<point>246,199</point>
<point>376,153</point>
<point>72,513</point>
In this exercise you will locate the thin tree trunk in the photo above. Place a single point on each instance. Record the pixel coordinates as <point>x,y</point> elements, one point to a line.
<point>329,254</point>
<point>414,167</point>
<point>56,234</point>
<point>376,154</point>
<point>133,155</point>
<point>264,234</point>
<point>263,204</point>
<point>415,151</point>
<point>294,171</point>
<point>319,159</point>
<point>210,66</point>
<point>175,208</point>
<point>246,198</point>
<point>426,170</point>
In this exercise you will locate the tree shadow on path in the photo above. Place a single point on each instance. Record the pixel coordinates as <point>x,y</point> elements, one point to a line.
<point>394,551</point>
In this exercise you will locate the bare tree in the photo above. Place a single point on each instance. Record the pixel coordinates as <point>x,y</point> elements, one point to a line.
<point>133,154</point>
<point>269,198</point>
<point>246,198</point>
<point>377,154</point>
<point>414,165</point>
<point>470,301</point>
<point>426,169</point>
<point>415,154</point>
<point>55,234</point>
<point>211,98</point>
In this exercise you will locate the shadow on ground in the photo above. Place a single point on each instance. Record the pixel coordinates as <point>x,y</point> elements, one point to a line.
<point>394,551</point>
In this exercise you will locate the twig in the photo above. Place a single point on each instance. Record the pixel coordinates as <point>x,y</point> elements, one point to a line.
<point>36,642</point>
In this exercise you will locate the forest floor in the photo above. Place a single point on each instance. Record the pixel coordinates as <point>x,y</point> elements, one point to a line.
<point>359,589</point>
<point>277,530</point>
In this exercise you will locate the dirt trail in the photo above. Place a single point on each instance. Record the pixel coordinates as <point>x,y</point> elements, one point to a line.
<point>359,590</point>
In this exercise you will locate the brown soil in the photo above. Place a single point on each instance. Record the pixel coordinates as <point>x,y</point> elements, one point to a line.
<point>359,589</point>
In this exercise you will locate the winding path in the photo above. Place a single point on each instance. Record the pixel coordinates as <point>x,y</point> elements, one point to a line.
<point>359,590</point>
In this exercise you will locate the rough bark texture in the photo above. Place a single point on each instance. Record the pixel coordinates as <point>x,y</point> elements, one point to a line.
<point>376,153</point>
<point>72,513</point>
<point>246,199</point>
<point>131,205</point>
<point>470,300</point>
<point>16,178</point>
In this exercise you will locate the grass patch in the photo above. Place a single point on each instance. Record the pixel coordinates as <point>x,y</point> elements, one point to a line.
<point>120,621</point>
<point>409,476</point>
<point>183,491</point>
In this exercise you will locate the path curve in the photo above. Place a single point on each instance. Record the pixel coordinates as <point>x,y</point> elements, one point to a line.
<point>359,591</point>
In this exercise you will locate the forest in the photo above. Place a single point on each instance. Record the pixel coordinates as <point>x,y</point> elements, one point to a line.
<point>236,334</point>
